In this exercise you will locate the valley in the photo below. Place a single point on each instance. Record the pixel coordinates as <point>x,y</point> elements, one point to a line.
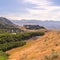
<point>28,42</point>
<point>29,29</point>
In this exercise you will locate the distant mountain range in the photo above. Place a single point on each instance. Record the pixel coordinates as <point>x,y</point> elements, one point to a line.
<point>9,24</point>
<point>47,24</point>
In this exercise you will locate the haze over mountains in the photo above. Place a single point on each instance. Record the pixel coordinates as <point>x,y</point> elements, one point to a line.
<point>4,22</point>
<point>47,24</point>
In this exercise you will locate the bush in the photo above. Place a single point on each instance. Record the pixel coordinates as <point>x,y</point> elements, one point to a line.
<point>10,45</point>
<point>9,41</point>
<point>4,38</point>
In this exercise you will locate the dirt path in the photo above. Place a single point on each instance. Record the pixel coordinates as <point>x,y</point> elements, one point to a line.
<point>37,49</point>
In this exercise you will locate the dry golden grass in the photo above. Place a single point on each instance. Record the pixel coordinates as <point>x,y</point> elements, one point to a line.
<point>38,49</point>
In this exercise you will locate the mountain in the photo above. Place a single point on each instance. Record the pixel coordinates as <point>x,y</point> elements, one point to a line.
<point>5,21</point>
<point>47,24</point>
<point>8,26</point>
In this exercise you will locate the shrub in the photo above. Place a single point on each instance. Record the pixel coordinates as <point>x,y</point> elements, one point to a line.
<point>9,41</point>
<point>10,45</point>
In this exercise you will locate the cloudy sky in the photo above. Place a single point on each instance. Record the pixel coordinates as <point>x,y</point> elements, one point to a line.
<point>30,9</point>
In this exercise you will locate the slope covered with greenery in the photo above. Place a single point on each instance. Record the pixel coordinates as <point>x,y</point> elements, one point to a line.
<point>12,37</point>
<point>9,41</point>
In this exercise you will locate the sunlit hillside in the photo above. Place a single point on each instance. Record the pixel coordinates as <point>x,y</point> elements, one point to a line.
<point>46,47</point>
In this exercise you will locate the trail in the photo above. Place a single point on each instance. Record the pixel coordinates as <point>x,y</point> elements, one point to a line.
<point>37,49</point>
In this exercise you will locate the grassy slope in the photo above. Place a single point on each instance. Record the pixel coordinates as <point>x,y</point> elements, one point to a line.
<point>38,49</point>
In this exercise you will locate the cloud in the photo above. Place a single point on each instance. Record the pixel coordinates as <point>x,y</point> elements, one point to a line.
<point>45,10</point>
<point>33,9</point>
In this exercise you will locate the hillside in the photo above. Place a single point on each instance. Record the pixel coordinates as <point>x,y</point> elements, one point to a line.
<point>5,21</point>
<point>46,47</point>
<point>7,26</point>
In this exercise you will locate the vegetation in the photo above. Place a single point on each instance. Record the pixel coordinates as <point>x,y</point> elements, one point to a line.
<point>11,36</point>
<point>3,56</point>
<point>10,45</point>
<point>9,41</point>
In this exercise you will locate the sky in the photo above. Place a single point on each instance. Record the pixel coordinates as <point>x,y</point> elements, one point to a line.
<point>30,9</point>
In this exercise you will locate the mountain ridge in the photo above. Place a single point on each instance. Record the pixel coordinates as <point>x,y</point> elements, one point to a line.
<point>48,24</point>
